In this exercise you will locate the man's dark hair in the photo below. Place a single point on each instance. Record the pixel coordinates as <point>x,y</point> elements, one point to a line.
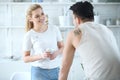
<point>84,10</point>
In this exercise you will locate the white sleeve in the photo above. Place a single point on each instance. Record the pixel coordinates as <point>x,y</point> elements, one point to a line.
<point>59,36</point>
<point>27,45</point>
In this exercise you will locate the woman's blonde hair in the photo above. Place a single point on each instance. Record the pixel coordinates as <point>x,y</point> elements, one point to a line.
<point>29,25</point>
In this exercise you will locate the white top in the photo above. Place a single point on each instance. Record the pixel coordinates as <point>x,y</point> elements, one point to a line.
<point>39,42</point>
<point>99,52</point>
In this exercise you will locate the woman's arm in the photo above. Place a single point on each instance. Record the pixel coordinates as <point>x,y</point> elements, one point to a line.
<point>68,54</point>
<point>28,58</point>
<point>60,45</point>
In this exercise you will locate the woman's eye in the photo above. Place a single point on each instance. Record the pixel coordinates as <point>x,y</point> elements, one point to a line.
<point>42,14</point>
<point>36,16</point>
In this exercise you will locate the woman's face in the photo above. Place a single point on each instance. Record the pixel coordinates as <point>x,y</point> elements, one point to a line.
<point>38,17</point>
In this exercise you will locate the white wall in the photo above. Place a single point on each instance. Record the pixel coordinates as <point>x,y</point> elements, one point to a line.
<point>13,15</point>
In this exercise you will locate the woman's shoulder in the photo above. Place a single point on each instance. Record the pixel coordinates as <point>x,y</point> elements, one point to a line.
<point>29,33</point>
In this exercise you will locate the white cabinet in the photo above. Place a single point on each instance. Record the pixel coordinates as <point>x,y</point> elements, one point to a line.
<point>116,31</point>
<point>11,41</point>
<point>8,67</point>
<point>13,13</point>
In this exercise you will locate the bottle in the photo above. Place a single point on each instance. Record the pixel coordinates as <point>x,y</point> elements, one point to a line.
<point>108,22</point>
<point>96,18</point>
<point>117,21</point>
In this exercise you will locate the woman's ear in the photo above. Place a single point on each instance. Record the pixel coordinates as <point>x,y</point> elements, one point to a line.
<point>30,19</point>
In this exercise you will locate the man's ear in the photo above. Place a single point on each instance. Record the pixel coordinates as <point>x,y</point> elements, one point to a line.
<point>78,20</point>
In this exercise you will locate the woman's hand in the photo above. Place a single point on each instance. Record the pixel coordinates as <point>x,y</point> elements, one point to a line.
<point>45,55</point>
<point>50,55</point>
<point>53,55</point>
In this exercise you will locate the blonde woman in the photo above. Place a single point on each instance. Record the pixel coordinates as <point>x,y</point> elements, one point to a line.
<point>42,45</point>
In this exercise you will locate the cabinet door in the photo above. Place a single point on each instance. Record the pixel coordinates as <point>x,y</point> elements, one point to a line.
<point>116,31</point>
<point>18,13</point>
<point>3,15</point>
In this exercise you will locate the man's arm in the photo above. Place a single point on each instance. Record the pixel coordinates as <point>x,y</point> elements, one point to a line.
<point>68,54</point>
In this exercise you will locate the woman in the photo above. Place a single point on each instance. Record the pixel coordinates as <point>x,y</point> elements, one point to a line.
<point>42,45</point>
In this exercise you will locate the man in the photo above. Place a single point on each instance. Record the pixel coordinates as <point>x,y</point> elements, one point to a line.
<point>94,42</point>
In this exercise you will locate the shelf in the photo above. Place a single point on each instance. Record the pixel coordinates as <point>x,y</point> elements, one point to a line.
<point>24,27</point>
<point>107,3</point>
<point>58,3</point>
<point>114,26</point>
<point>61,27</point>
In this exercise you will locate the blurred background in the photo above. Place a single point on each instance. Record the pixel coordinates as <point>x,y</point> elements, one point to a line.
<point>12,24</point>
